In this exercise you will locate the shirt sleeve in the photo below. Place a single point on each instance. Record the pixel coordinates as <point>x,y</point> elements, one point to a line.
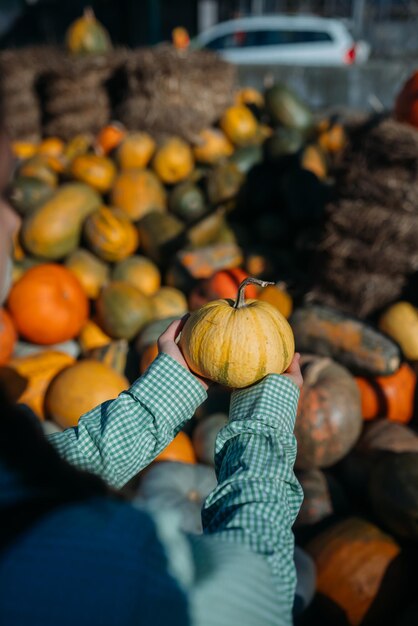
<point>120,437</point>
<point>258,497</point>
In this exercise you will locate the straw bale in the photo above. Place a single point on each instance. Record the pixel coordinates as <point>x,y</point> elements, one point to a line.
<point>78,101</point>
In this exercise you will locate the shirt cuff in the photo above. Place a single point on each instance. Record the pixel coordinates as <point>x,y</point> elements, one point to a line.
<point>169,388</point>
<point>273,401</point>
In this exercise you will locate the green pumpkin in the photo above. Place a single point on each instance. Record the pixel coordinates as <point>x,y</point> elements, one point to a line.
<point>287,109</point>
<point>27,194</point>
<point>245,158</point>
<point>282,143</point>
<point>224,183</point>
<point>161,234</point>
<point>187,202</point>
<point>122,310</point>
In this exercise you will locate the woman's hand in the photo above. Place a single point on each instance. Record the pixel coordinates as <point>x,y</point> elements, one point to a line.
<point>293,371</point>
<point>167,344</point>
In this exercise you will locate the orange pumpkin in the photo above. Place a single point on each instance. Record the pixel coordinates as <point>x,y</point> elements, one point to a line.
<point>48,304</point>
<point>92,273</point>
<point>389,396</point>
<point>239,125</point>
<point>109,138</point>
<point>139,272</point>
<point>24,149</point>
<point>333,138</point>
<point>51,147</point>
<point>26,378</point>
<point>138,192</point>
<point>173,161</point>
<point>136,151</point>
<point>79,388</point>
<point>180,450</point>
<point>223,284</point>
<point>249,95</point>
<point>8,336</point>
<point>278,297</point>
<point>87,36</point>
<point>111,234</point>
<point>149,354</point>
<point>406,105</point>
<point>91,336</point>
<point>213,145</point>
<point>97,171</point>
<point>313,160</point>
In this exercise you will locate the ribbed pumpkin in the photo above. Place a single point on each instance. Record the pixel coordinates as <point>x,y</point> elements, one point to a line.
<point>38,167</point>
<point>53,230</point>
<point>239,125</point>
<point>138,192</point>
<point>109,138</point>
<point>110,234</point>
<point>26,378</point>
<point>187,202</point>
<point>113,354</point>
<point>97,171</point>
<point>167,302</point>
<point>278,296</point>
<point>329,420</point>
<point>237,343</point>
<point>179,450</point>
<point>400,321</point>
<point>173,161</point>
<point>48,304</point>
<point>389,396</point>
<point>91,336</point>
<point>80,388</point>
<point>8,336</point>
<point>160,235</point>
<point>87,36</point>
<point>352,559</point>
<point>222,284</point>
<point>122,310</point>
<point>139,272</point>
<point>212,146</point>
<point>92,273</point>
<point>135,151</point>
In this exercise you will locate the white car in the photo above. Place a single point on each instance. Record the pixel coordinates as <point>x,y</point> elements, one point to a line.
<point>284,40</point>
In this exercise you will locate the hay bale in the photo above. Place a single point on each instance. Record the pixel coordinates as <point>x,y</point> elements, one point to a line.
<point>87,121</point>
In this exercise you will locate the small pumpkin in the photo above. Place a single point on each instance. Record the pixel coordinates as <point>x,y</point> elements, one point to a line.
<point>161,234</point>
<point>246,158</point>
<point>224,182</point>
<point>400,321</point>
<point>287,109</point>
<point>389,396</point>
<point>329,420</point>
<point>135,151</point>
<point>278,296</point>
<point>48,305</point>
<point>352,560</point>
<point>79,388</point>
<point>236,343</point>
<point>204,437</point>
<point>173,161</point>
<point>182,487</point>
<point>26,378</point>
<point>109,138</point>
<point>38,167</point>
<point>51,147</point>
<point>239,124</point>
<point>313,160</point>
<point>110,234</point>
<point>8,336</point>
<point>97,171</point>
<point>137,192</point>
<point>212,146</point>
<point>139,272</point>
<point>249,95</point>
<point>179,450</point>
<point>91,336</point>
<point>317,503</point>
<point>27,194</point>
<point>223,284</point>
<point>207,230</point>
<point>122,310</point>
<point>168,302</point>
<point>187,202</point>
<point>24,150</point>
<point>148,355</point>
<point>113,354</point>
<point>92,273</point>
<point>53,230</point>
<point>87,36</point>
<point>333,138</point>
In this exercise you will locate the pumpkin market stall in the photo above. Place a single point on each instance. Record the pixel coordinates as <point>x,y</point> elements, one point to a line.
<point>151,185</point>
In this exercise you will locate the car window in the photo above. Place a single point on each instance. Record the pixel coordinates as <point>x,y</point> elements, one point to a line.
<point>245,39</point>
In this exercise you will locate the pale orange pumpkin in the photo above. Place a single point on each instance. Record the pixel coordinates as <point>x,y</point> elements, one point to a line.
<point>110,234</point>
<point>92,272</point>
<point>173,161</point>
<point>138,192</point>
<point>135,151</point>
<point>80,388</point>
<point>212,146</point>
<point>168,302</point>
<point>92,336</point>
<point>139,272</point>
<point>51,147</point>
<point>97,171</point>
<point>278,296</point>
<point>237,343</point>
<point>239,125</point>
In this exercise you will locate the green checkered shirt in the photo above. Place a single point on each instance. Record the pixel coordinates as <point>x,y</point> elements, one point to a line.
<point>257,497</point>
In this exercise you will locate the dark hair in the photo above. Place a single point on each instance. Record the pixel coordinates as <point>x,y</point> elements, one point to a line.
<point>25,450</point>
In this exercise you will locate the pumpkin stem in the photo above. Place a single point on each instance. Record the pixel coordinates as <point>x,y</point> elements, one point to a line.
<point>240,301</point>
<point>89,14</point>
